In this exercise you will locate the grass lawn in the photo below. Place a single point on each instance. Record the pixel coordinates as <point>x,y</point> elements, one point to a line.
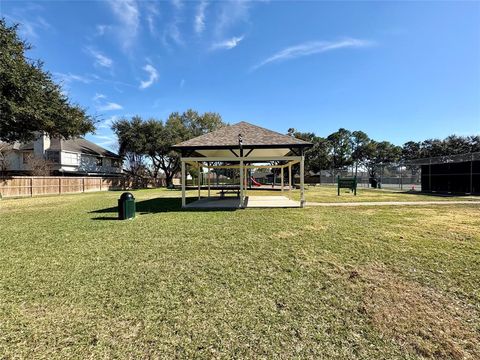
<point>329,194</point>
<point>387,282</point>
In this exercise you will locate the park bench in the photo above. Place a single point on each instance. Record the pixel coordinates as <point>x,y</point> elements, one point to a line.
<point>347,183</point>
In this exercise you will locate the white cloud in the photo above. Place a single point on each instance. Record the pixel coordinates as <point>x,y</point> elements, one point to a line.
<point>100,59</point>
<point>68,78</point>
<point>97,78</point>
<point>128,14</point>
<point>98,97</point>
<point>107,141</point>
<point>228,44</point>
<point>313,47</point>
<point>109,106</point>
<point>29,26</point>
<point>152,12</point>
<point>102,29</point>
<point>172,30</point>
<point>199,24</point>
<point>107,123</point>
<point>231,13</point>
<point>102,105</point>
<point>153,76</point>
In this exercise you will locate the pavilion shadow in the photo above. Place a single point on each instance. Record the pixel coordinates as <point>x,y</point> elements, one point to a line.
<point>152,206</point>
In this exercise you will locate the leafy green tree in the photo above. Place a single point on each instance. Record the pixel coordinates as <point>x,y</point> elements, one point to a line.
<point>455,145</point>
<point>178,128</point>
<point>451,145</point>
<point>411,150</point>
<point>379,154</point>
<point>317,157</point>
<point>474,141</point>
<point>360,145</point>
<point>432,148</point>
<point>341,148</point>
<point>154,139</point>
<point>30,101</point>
<point>132,142</point>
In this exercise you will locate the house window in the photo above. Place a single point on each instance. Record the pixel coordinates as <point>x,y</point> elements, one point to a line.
<point>69,158</point>
<point>99,161</point>
<point>27,156</point>
<point>53,156</point>
<point>115,163</point>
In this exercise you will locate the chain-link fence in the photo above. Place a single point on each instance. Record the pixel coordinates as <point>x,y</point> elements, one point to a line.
<point>443,174</point>
<point>391,176</point>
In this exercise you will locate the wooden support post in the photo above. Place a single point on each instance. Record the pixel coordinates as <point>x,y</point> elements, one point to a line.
<point>241,183</point>
<point>290,181</point>
<point>208,178</point>
<point>245,183</point>
<point>183,184</point>
<point>281,181</point>
<point>199,178</point>
<point>302,181</point>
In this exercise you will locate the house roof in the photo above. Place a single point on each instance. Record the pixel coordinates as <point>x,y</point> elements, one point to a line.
<point>78,145</point>
<point>253,136</point>
<point>84,146</point>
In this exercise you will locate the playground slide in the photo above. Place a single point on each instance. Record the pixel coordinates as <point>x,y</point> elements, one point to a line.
<point>254,182</point>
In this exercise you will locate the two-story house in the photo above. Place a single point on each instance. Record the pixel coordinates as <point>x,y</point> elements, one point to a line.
<point>76,156</point>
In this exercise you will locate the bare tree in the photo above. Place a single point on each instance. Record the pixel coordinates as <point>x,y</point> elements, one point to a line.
<point>4,163</point>
<point>39,166</point>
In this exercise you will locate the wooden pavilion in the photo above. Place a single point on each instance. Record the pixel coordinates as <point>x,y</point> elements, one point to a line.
<point>243,146</point>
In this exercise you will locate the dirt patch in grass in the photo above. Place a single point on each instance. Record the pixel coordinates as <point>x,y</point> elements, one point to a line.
<point>417,318</point>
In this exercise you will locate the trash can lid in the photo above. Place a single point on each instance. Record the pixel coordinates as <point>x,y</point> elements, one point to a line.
<point>127,196</point>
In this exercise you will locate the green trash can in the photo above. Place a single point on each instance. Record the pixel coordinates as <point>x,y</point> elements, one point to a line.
<point>126,206</point>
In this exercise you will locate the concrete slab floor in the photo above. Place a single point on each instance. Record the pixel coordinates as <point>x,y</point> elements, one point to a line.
<point>250,202</point>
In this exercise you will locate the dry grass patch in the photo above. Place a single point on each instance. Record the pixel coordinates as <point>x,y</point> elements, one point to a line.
<point>286,234</point>
<point>418,318</point>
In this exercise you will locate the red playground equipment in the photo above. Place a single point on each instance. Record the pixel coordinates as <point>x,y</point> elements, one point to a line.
<point>254,182</point>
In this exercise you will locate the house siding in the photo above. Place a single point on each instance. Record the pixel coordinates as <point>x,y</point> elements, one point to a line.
<point>66,161</point>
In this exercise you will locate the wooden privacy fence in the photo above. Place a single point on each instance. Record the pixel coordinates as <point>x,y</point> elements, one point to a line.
<point>20,186</point>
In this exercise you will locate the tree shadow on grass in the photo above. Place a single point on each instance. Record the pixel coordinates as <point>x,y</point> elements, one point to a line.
<point>152,206</point>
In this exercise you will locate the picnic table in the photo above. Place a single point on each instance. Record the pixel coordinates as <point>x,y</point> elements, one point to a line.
<point>227,189</point>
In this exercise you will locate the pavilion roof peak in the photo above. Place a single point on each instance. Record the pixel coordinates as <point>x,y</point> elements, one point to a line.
<point>252,136</point>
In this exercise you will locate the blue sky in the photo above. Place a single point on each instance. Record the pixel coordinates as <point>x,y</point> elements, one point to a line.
<point>397,70</point>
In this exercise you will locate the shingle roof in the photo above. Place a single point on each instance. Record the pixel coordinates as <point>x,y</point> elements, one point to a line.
<point>84,146</point>
<point>252,136</point>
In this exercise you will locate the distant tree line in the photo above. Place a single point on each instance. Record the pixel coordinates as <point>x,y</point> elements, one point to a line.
<point>346,149</point>
<point>451,145</point>
<point>146,146</point>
